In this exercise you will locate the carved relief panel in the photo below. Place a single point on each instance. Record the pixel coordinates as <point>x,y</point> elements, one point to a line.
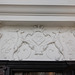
<point>37,42</point>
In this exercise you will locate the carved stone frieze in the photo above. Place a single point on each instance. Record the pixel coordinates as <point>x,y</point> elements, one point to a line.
<point>37,42</point>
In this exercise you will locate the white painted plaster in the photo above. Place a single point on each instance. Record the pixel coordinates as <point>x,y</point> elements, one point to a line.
<point>37,42</point>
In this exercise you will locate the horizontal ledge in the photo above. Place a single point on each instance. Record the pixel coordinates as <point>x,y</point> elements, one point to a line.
<point>38,2</point>
<point>37,18</point>
<point>37,9</point>
<point>23,14</point>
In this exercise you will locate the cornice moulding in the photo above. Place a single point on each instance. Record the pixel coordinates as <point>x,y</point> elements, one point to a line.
<point>37,9</point>
<point>37,18</point>
<point>38,2</point>
<point>37,12</point>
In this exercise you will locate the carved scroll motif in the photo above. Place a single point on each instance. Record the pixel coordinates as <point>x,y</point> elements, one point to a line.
<point>20,45</point>
<point>39,42</point>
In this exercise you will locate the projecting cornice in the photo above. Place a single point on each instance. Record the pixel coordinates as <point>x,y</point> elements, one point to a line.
<point>37,10</point>
<point>33,10</point>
